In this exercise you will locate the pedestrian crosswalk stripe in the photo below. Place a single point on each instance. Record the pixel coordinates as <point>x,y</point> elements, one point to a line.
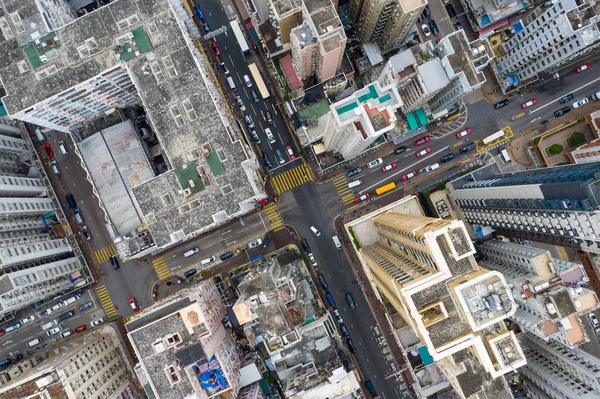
<point>160,266</point>
<point>103,254</point>
<point>109,307</point>
<point>345,192</point>
<point>291,178</point>
<point>274,217</point>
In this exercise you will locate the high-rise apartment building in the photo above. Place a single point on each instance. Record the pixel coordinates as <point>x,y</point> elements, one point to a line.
<point>557,205</point>
<point>552,36</point>
<point>487,15</point>
<point>558,372</point>
<point>550,292</point>
<point>357,121</point>
<point>183,348</point>
<point>318,44</point>
<point>387,22</point>
<point>38,258</point>
<point>95,365</point>
<point>425,268</point>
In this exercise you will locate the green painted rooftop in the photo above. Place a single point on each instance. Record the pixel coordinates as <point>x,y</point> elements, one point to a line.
<point>187,173</point>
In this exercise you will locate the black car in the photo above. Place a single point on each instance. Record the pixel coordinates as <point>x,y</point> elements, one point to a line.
<point>189,273</point>
<point>66,316</point>
<point>501,104</point>
<point>426,11</point>
<point>267,161</point>
<point>457,25</point>
<point>323,282</point>
<point>267,239</point>
<point>421,18</point>
<point>354,171</point>
<point>450,9</point>
<point>351,345</point>
<point>400,150</point>
<point>86,305</point>
<point>447,157</point>
<point>345,332</point>
<point>226,255</point>
<point>434,28</point>
<point>566,98</point>
<point>562,111</point>
<point>113,262</point>
<point>305,245</point>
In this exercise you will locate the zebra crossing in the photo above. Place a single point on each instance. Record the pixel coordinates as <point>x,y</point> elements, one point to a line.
<point>107,304</point>
<point>273,215</point>
<point>346,194</point>
<point>160,266</point>
<point>291,178</point>
<point>103,254</point>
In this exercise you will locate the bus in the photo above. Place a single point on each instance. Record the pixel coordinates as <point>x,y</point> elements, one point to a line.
<point>237,31</point>
<point>386,188</point>
<point>264,93</point>
<point>496,136</point>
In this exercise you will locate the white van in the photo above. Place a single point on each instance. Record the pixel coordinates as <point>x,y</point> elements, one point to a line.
<point>191,252</point>
<point>63,147</point>
<point>504,155</point>
<point>248,81</point>
<point>336,241</point>
<point>33,343</point>
<point>315,231</point>
<point>231,84</point>
<point>55,168</point>
<point>49,325</point>
<point>596,96</point>
<point>208,260</point>
<point>40,135</point>
<point>270,137</point>
<point>354,183</point>
<point>432,167</point>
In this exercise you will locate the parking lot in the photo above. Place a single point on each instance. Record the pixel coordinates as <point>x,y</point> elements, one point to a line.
<point>27,327</point>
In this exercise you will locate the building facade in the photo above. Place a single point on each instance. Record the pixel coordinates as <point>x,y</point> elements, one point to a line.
<point>554,35</point>
<point>357,121</point>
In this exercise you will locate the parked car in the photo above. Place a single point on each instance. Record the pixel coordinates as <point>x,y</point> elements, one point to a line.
<point>66,333</point>
<point>345,332</point>
<point>215,47</point>
<point>81,328</point>
<point>312,259</point>
<point>206,27</point>
<point>226,255</point>
<point>426,11</point>
<point>97,322</point>
<point>290,152</point>
<point>267,239</point>
<point>375,162</point>
<point>389,167</point>
<point>338,317</point>
<point>463,133</point>
<point>562,111</point>
<point>255,137</point>
<point>86,305</point>
<point>133,305</point>
<point>44,313</point>
<point>28,319</point>
<point>354,171</point>
<point>594,320</point>
<point>584,67</point>
<point>529,103</point>
<point>351,345</point>
<point>501,104</point>
<point>400,150</point>
<point>240,103</point>
<point>225,69</point>
<point>48,149</point>
<point>86,233</point>
<point>53,331</point>
<point>409,175</point>
<point>579,103</point>
<point>457,25</point>
<point>255,243</point>
<point>423,152</point>
<point>434,28</point>
<point>566,98</point>
<point>423,140</point>
<point>199,13</point>
<point>450,10</point>
<point>189,273</point>
<point>426,30</point>
<point>447,157</point>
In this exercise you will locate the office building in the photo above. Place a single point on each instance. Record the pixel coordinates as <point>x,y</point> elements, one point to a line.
<point>557,205</point>
<point>318,44</point>
<point>137,52</point>
<point>355,122</point>
<point>548,39</point>
<point>551,293</point>
<point>425,268</point>
<point>485,16</point>
<point>39,258</point>
<point>90,366</point>
<point>558,372</point>
<point>183,348</point>
<point>387,22</point>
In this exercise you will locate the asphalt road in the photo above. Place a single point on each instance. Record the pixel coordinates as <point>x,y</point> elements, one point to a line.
<point>15,341</point>
<point>237,64</point>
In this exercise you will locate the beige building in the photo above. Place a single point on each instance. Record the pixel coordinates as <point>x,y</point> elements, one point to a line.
<point>92,366</point>
<point>318,44</point>
<point>387,22</point>
<point>426,269</point>
<point>285,16</point>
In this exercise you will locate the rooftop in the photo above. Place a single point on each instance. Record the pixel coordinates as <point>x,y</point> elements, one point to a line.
<point>185,117</point>
<point>323,16</point>
<point>409,5</point>
<point>458,55</point>
<point>285,7</point>
<point>434,75</point>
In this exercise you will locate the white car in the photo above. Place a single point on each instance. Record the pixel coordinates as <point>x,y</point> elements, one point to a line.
<point>579,103</point>
<point>338,316</point>
<point>53,331</point>
<point>255,243</point>
<point>241,103</point>
<point>97,322</point>
<point>426,30</point>
<point>28,319</point>
<point>44,312</point>
<point>66,333</point>
<point>375,162</point>
<point>311,257</point>
<point>59,305</point>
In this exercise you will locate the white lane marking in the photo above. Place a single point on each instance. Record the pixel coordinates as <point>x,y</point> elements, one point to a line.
<point>553,102</point>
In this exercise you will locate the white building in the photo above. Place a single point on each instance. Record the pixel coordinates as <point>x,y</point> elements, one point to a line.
<point>357,121</point>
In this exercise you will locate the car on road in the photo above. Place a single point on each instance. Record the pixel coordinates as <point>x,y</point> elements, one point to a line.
<point>59,305</point>
<point>28,319</point>
<point>427,11</point>
<point>353,172</point>
<point>13,327</point>
<point>114,262</point>
<point>225,69</point>
<point>86,232</point>
<point>426,30</point>
<point>44,313</point>
<point>48,149</point>
<point>389,167</point>
<point>190,273</point>
<point>66,333</point>
<point>323,282</point>
<point>267,239</point>
<point>597,331</point>
<point>305,245</point>
<point>255,137</point>
<point>463,133</point>
<point>451,11</point>
<point>593,320</point>
<point>566,98</point>
<point>267,160</point>
<point>312,259</point>
<point>81,328</point>
<point>133,305</point>
<point>447,157</point>
<point>255,243</point>
<point>86,305</point>
<point>363,197</point>
<point>338,316</point>
<point>400,150</point>
<point>215,47</point>
<point>97,322</point>
<point>351,345</point>
<point>249,121</point>
<point>423,152</point>
<point>501,104</point>
<point>457,26</point>
<point>240,103</point>
<point>584,67</point>
<point>315,231</point>
<point>529,103</point>
<point>255,97</point>
<point>206,27</point>
<point>562,111</point>
<point>290,152</point>
<point>579,103</point>
<point>279,156</point>
<point>199,13</point>
<point>423,140</point>
<point>375,162</point>
<point>2,332</point>
<point>409,175</point>
<point>434,28</point>
<point>226,255</point>
<point>53,331</point>
<point>345,332</point>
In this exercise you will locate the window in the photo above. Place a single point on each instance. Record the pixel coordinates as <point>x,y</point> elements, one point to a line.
<point>172,374</point>
<point>168,62</point>
<point>176,113</point>
<point>189,110</point>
